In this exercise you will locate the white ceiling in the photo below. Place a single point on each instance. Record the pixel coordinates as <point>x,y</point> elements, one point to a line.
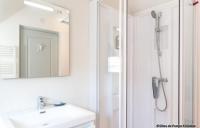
<point>136,5</point>
<point>113,3</point>
<point>9,7</point>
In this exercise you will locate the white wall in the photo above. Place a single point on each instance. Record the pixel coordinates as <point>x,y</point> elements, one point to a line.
<point>143,65</point>
<point>22,93</point>
<point>7,9</point>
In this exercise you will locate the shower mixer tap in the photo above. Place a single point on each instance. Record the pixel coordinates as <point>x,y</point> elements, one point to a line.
<point>163,80</point>
<point>155,87</point>
<point>157,29</point>
<point>156,82</point>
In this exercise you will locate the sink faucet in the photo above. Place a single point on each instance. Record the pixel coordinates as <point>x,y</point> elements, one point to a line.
<point>41,104</point>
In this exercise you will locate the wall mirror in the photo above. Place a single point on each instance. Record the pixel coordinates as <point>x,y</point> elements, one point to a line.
<point>34,39</point>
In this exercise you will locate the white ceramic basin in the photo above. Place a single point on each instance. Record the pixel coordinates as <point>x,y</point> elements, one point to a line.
<point>58,117</point>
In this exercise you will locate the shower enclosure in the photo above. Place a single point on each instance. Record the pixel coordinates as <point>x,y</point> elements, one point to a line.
<point>144,62</point>
<point>160,64</point>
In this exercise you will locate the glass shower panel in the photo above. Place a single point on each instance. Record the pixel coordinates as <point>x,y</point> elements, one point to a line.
<point>187,20</point>
<point>109,64</point>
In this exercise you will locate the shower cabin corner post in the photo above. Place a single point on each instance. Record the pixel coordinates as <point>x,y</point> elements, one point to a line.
<point>94,56</point>
<point>123,55</point>
<point>180,64</point>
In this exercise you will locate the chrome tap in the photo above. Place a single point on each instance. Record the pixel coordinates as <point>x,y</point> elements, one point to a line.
<point>41,104</point>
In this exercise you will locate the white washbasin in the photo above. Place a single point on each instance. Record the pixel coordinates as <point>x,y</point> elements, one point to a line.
<point>58,117</point>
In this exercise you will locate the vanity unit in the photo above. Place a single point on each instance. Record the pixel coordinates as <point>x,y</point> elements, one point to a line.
<point>68,116</point>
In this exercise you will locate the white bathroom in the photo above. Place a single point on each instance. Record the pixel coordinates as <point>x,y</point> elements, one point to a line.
<point>99,63</point>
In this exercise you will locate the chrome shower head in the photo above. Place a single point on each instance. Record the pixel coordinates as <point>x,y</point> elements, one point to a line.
<point>153,14</point>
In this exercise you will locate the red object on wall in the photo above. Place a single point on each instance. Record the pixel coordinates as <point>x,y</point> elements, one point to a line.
<point>195,2</point>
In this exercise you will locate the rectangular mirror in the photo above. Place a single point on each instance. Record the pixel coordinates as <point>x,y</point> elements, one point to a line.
<point>34,39</point>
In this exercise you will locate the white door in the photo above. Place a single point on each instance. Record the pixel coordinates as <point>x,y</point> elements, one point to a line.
<point>39,53</point>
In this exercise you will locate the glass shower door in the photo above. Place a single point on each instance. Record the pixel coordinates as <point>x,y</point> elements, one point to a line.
<point>109,67</point>
<point>108,38</point>
<point>187,92</point>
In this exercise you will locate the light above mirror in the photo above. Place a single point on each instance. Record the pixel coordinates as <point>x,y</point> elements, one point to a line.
<point>37,5</point>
